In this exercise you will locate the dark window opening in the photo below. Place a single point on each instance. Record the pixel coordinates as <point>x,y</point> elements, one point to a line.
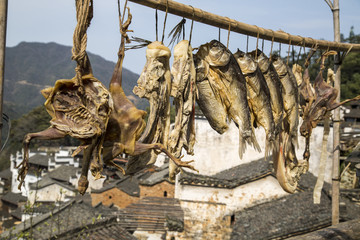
<point>110,197</point>
<point>165,193</point>
<point>232,219</point>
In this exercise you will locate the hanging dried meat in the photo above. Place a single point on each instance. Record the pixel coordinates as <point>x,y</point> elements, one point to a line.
<point>227,87</point>
<point>258,97</point>
<point>183,91</point>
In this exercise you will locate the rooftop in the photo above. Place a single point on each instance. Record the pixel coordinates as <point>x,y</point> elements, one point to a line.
<point>13,198</point>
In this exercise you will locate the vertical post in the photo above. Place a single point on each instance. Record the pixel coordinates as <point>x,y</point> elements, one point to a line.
<point>336,124</point>
<point>3,21</point>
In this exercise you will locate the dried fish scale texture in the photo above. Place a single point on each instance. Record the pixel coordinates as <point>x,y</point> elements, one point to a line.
<point>275,88</point>
<point>79,115</point>
<point>290,97</point>
<point>229,88</point>
<point>183,90</point>
<point>258,96</point>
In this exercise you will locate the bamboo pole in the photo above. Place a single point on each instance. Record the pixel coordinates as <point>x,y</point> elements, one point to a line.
<point>199,15</point>
<point>3,20</point>
<point>336,124</point>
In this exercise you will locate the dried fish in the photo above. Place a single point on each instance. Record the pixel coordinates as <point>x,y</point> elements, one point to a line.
<point>229,87</point>
<point>275,88</point>
<point>258,96</point>
<point>183,90</point>
<point>290,97</point>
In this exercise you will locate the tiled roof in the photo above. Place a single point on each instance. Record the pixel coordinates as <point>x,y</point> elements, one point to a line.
<point>13,198</point>
<point>291,215</point>
<point>47,181</point>
<point>63,173</point>
<point>102,230</point>
<point>230,178</point>
<point>153,214</point>
<point>6,174</point>
<point>75,214</point>
<point>39,159</point>
<point>161,174</point>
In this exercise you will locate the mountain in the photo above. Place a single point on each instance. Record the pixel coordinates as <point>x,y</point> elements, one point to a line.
<point>31,67</point>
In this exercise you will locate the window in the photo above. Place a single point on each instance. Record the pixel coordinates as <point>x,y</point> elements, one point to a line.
<point>165,193</point>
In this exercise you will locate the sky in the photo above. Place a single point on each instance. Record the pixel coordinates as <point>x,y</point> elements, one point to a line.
<point>54,21</point>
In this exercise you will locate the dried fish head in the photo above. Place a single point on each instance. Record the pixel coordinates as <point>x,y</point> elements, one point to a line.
<point>218,55</point>
<point>246,62</point>
<point>279,65</point>
<point>157,56</point>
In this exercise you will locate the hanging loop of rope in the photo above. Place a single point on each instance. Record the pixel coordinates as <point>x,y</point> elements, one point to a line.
<point>156,24</point>
<point>84,14</point>
<point>257,42</point>
<point>228,37</point>
<point>247,43</point>
<point>272,44</point>
<point>166,13</point>
<point>192,24</point>
<point>287,60</point>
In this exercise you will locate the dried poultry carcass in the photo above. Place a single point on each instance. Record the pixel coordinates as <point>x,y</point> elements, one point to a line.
<point>275,88</point>
<point>290,97</point>
<point>81,114</point>
<point>228,88</point>
<point>183,89</point>
<point>154,84</point>
<point>258,97</point>
<point>325,101</point>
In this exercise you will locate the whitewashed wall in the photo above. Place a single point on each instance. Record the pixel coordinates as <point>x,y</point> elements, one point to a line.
<point>235,199</point>
<point>215,153</point>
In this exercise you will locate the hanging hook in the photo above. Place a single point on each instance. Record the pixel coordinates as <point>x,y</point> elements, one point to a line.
<point>166,13</point>
<point>262,46</point>
<point>219,35</point>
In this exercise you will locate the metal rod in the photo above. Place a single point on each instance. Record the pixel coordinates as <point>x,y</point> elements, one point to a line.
<point>199,15</point>
<point>3,21</point>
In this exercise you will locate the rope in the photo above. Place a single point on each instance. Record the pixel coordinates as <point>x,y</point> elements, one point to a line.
<point>272,44</point>
<point>166,13</point>
<point>287,60</point>
<point>84,14</point>
<point>257,42</point>
<point>247,43</point>
<point>262,45</point>
<point>219,35</point>
<point>156,24</point>
<point>227,45</point>
<point>192,24</point>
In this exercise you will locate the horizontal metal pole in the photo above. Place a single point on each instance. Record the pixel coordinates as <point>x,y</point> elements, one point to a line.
<point>201,16</point>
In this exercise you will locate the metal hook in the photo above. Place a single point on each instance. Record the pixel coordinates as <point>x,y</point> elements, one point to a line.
<point>166,13</point>
<point>227,45</point>
<point>192,24</point>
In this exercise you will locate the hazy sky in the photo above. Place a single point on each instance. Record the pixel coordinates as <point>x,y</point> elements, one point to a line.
<point>54,21</point>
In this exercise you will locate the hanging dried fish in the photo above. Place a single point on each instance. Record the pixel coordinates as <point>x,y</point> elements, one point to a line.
<point>229,88</point>
<point>290,97</point>
<point>183,90</point>
<point>275,88</point>
<point>258,97</point>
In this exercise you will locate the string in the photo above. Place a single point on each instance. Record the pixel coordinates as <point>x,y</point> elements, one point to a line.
<point>156,24</point>
<point>257,42</point>
<point>122,19</point>
<point>166,13</point>
<point>192,24</point>
<point>287,60</point>
<point>227,45</point>
<point>183,26</point>
<point>219,35</point>
<point>247,43</point>
<point>272,43</point>
<point>262,45</point>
